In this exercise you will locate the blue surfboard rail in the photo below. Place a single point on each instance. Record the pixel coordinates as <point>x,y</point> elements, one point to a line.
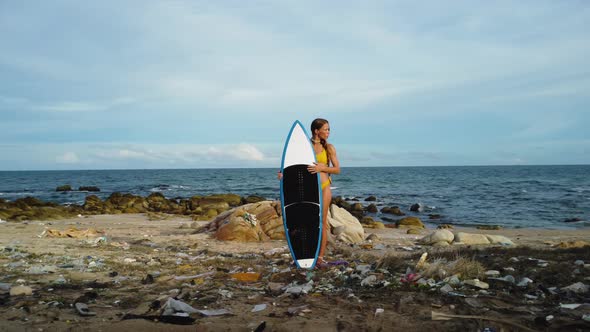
<point>295,124</point>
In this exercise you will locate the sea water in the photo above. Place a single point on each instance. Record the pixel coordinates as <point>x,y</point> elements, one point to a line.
<point>509,196</point>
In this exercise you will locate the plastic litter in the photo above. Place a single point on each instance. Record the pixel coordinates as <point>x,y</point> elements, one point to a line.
<point>83,310</point>
<point>259,307</point>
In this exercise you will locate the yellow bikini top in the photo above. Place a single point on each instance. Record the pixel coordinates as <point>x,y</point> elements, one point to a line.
<point>322,157</point>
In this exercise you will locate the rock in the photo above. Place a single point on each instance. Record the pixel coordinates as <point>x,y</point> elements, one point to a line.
<point>470,239</point>
<point>573,244</point>
<point>393,210</point>
<point>357,207</point>
<point>573,220</point>
<point>253,199</point>
<point>65,187</point>
<point>89,188</point>
<point>353,231</point>
<point>445,226</point>
<point>414,231</point>
<point>372,208</point>
<point>441,235</point>
<point>417,207</point>
<point>367,220</point>
<point>433,216</point>
<point>370,199</point>
<point>489,227</point>
<point>21,290</point>
<point>93,204</point>
<point>410,222</point>
<point>499,239</point>
<point>441,244</point>
<point>249,223</point>
<point>372,237</point>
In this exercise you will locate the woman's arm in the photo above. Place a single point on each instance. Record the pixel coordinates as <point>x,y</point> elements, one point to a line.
<point>335,169</point>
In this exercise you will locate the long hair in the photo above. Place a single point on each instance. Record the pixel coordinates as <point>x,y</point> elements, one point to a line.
<point>316,125</point>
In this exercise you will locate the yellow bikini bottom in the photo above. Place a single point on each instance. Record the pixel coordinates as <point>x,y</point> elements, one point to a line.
<point>326,183</point>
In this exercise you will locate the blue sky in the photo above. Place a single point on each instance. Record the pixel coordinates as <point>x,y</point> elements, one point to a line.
<point>191,84</point>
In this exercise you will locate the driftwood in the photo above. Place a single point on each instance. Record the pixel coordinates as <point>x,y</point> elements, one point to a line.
<point>443,316</point>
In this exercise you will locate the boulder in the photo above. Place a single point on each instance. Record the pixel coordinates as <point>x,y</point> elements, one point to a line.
<point>417,207</point>
<point>499,239</point>
<point>372,208</point>
<point>65,187</point>
<point>253,199</point>
<point>370,199</point>
<point>349,228</point>
<point>93,204</point>
<point>89,188</point>
<point>468,238</point>
<point>438,236</point>
<point>231,199</point>
<point>410,222</point>
<point>393,210</point>
<point>249,223</point>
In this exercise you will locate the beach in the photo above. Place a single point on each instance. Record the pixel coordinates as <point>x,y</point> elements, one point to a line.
<point>125,268</point>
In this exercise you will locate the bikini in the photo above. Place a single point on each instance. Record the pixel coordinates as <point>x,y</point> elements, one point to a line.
<point>322,158</point>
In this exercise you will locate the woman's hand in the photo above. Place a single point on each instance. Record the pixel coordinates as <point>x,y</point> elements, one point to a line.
<point>279,175</point>
<point>315,168</point>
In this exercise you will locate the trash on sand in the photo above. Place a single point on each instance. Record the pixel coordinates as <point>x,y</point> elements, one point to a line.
<point>422,261</point>
<point>259,307</point>
<point>172,307</point>
<point>83,310</point>
<point>296,310</point>
<point>577,288</point>
<point>442,316</point>
<point>571,306</point>
<point>246,276</point>
<point>197,276</point>
<point>379,311</point>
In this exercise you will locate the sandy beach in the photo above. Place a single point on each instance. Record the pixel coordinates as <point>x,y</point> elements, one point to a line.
<point>126,272</point>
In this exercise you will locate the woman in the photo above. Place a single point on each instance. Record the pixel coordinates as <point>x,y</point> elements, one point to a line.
<point>327,163</point>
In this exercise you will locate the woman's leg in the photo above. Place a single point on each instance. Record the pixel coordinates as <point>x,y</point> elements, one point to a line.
<point>326,200</point>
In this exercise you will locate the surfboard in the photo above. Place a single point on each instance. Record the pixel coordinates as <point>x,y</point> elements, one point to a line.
<point>301,201</point>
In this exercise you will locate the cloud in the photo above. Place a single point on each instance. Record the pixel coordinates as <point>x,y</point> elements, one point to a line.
<point>68,158</point>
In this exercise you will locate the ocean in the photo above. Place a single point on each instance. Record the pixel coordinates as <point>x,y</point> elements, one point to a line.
<point>509,196</point>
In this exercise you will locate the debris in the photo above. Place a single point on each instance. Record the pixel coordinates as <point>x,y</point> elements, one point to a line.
<point>246,277</point>
<point>571,306</point>
<point>369,281</point>
<point>379,311</point>
<point>296,310</point>
<point>83,310</point>
<point>578,288</point>
<point>197,276</point>
<point>446,289</point>
<point>259,307</point>
<point>477,283</point>
<point>442,316</point>
<point>524,282</point>
<point>492,273</point>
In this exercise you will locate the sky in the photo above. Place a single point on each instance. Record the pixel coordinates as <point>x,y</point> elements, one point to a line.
<point>218,84</point>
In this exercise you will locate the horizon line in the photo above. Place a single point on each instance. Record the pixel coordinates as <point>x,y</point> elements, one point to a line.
<point>226,168</point>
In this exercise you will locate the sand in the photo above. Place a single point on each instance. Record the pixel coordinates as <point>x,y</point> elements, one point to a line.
<point>137,263</point>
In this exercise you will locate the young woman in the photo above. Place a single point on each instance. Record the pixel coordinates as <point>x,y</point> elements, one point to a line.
<point>327,163</point>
